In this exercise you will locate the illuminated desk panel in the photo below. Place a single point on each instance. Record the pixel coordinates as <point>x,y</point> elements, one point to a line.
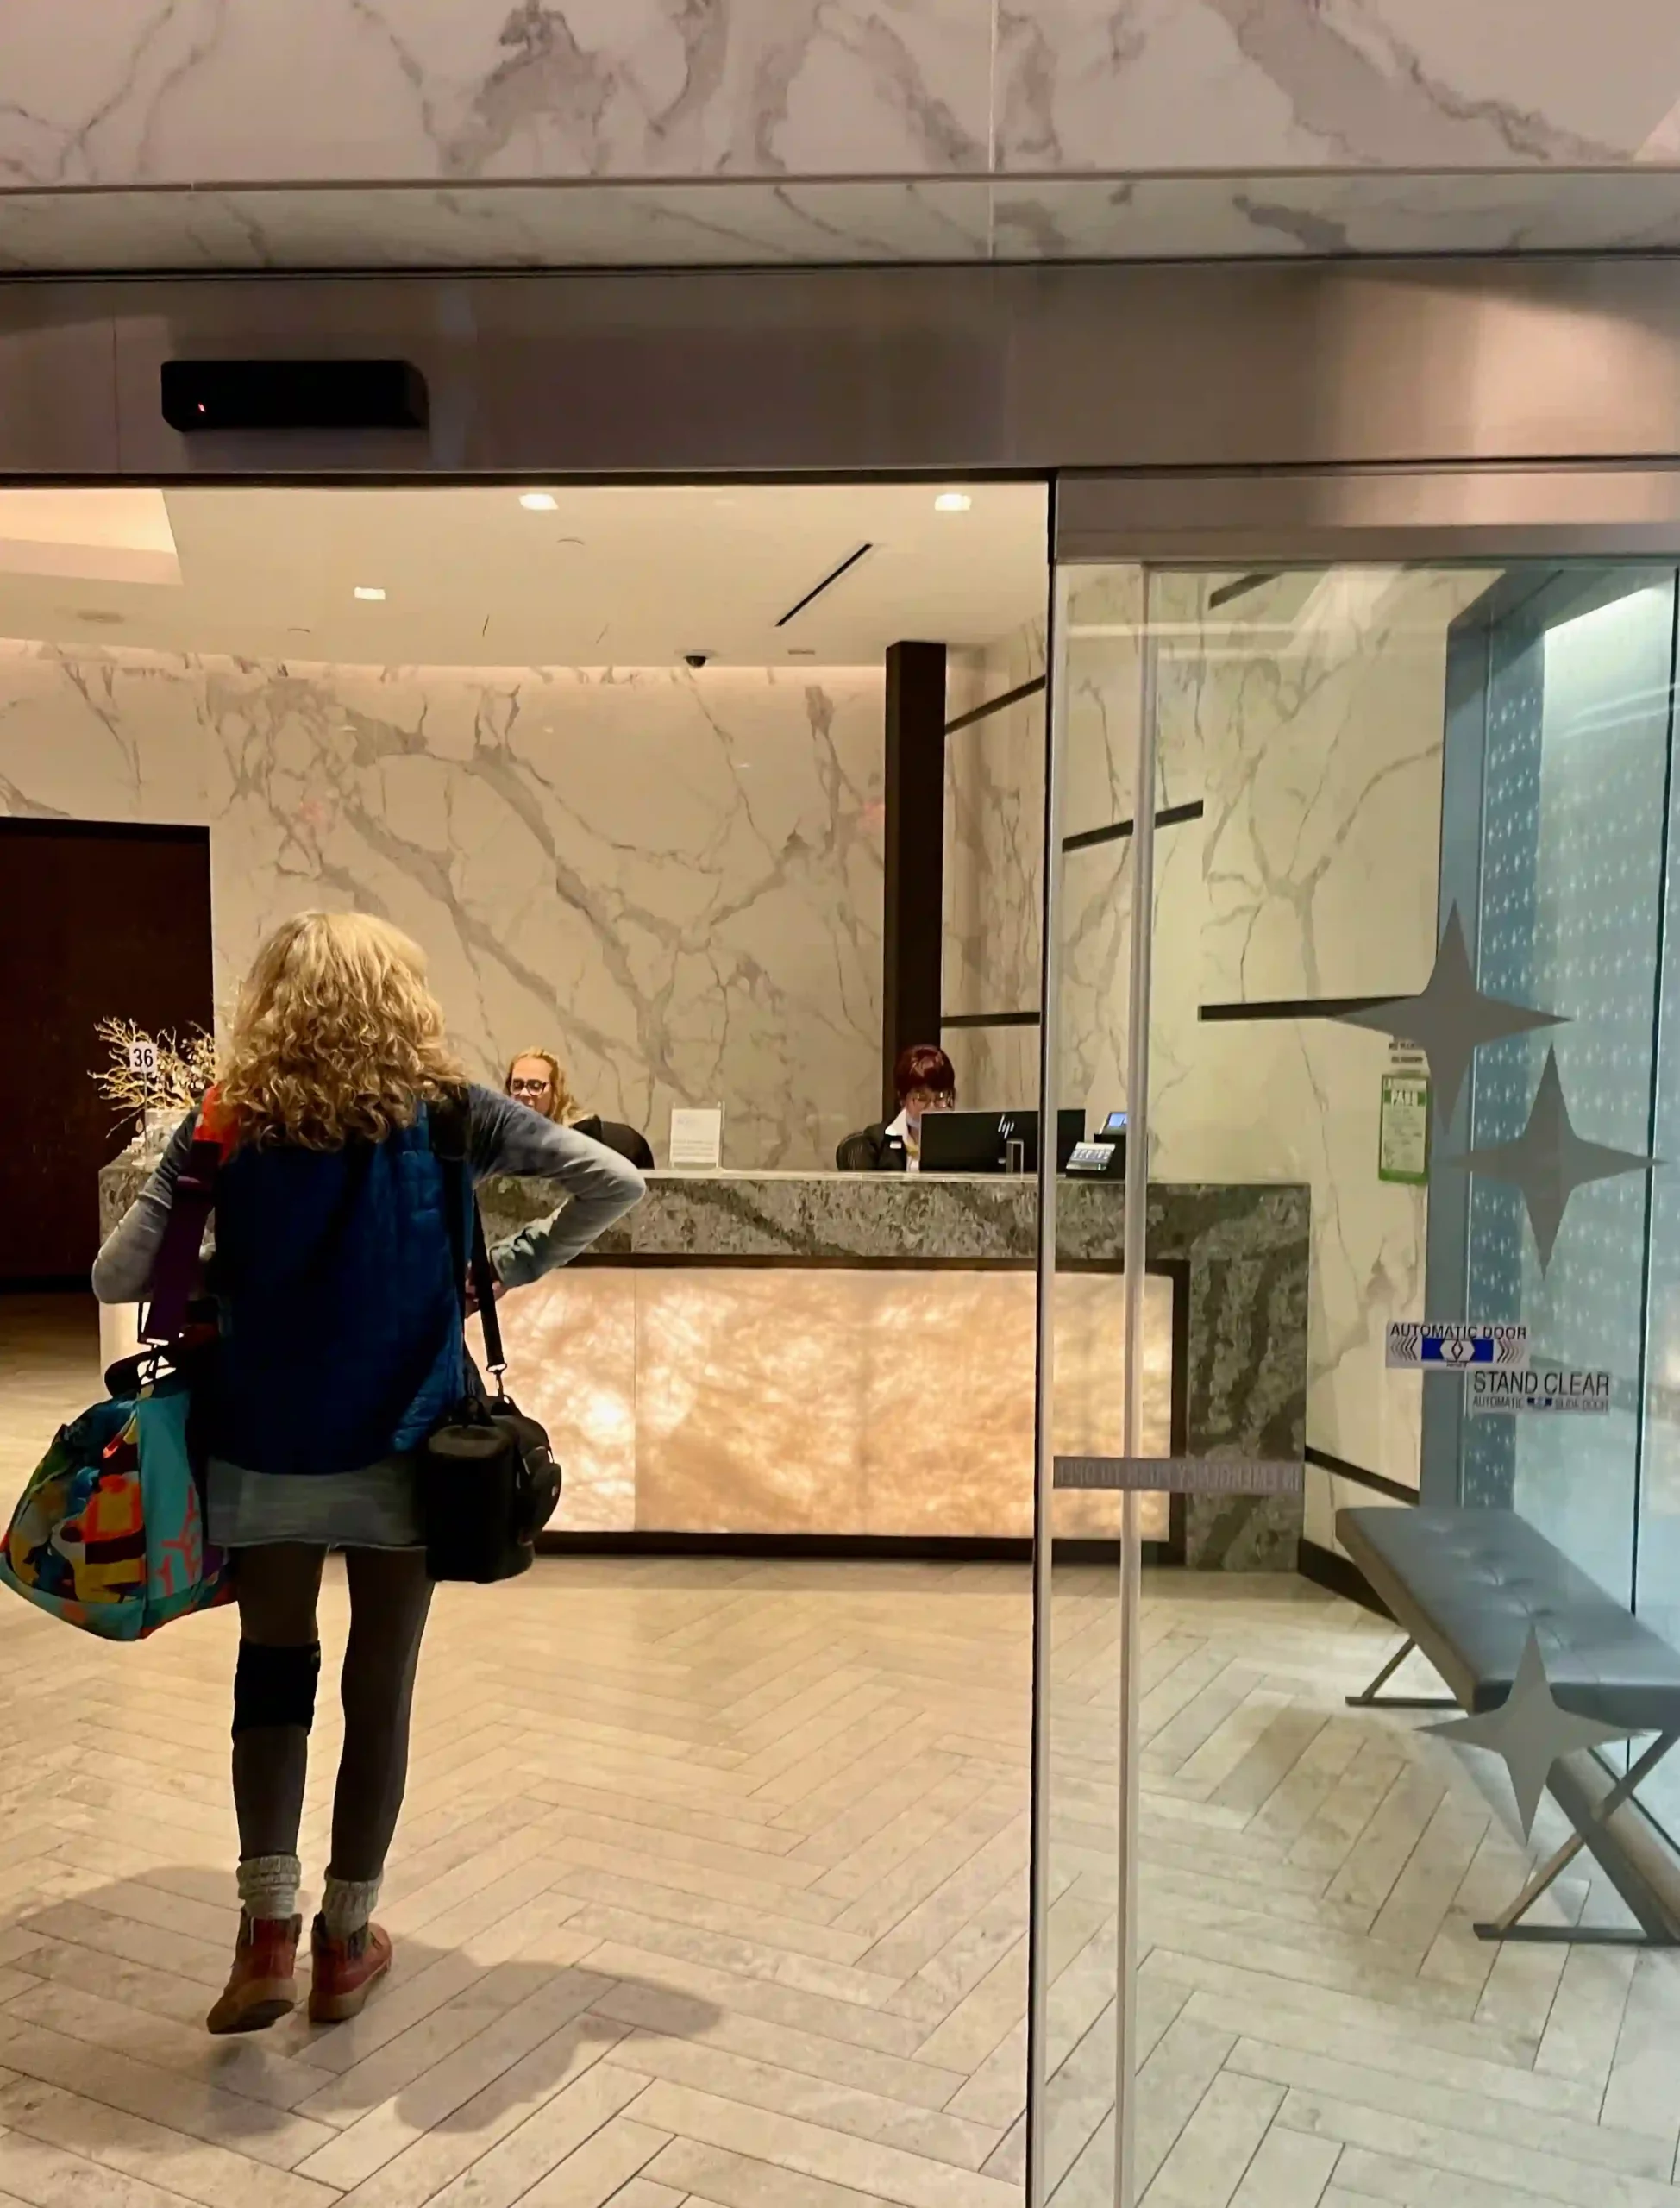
<point>829,1399</point>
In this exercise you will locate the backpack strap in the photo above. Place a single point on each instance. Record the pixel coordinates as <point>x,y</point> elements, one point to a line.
<point>448,1128</point>
<point>175,1268</point>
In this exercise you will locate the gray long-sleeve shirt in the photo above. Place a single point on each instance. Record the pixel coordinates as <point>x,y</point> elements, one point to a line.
<point>503,1136</point>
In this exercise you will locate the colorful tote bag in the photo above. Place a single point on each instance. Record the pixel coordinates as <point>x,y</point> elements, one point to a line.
<point>110,1533</point>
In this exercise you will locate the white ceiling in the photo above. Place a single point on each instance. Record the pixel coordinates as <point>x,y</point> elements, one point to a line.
<point>625,576</point>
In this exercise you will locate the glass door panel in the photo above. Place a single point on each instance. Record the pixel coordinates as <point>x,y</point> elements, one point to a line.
<point>1310,791</point>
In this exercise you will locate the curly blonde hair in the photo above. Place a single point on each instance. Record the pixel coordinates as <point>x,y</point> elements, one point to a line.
<point>335,1035</point>
<point>563,1104</point>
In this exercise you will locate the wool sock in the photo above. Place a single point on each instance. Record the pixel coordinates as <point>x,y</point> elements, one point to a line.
<point>346,1904</point>
<point>268,1885</point>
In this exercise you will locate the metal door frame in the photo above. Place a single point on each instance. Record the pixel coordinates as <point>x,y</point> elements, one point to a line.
<point>942,370</point>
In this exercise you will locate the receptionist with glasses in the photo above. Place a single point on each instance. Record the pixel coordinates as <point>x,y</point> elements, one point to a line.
<point>924,1081</point>
<point>537,1080</point>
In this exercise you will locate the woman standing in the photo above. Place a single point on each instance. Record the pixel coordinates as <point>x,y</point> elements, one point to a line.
<point>340,1350</point>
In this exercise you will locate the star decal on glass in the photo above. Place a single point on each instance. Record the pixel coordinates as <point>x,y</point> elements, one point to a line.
<point>1451,1018</point>
<point>1548,1161</point>
<point>1531,1733</point>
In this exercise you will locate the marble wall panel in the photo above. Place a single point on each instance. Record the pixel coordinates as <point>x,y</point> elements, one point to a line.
<point>1319,721</point>
<point>201,90</point>
<point>994,839</point>
<point>995,833</point>
<point>219,92</point>
<point>1166,84</point>
<point>996,1068</point>
<point>1305,714</point>
<point>737,222</point>
<point>673,877</point>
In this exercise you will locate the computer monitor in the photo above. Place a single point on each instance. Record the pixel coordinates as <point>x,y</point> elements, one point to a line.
<point>978,1142</point>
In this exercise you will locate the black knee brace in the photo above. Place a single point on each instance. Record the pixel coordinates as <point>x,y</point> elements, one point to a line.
<point>275,1686</point>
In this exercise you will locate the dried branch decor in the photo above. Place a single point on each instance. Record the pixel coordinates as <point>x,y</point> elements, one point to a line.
<point>185,1066</point>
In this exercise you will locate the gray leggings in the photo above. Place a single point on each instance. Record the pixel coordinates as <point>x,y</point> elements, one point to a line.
<point>277,1586</point>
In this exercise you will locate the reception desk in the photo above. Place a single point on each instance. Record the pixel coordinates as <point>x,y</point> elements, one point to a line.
<point>851,1357</point>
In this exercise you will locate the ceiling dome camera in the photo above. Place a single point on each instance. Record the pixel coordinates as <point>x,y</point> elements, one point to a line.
<point>696,659</point>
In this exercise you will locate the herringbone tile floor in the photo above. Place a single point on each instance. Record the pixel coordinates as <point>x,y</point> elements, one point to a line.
<point>711,1889</point>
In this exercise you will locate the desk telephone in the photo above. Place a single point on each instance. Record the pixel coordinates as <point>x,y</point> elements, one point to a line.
<point>1105,1153</point>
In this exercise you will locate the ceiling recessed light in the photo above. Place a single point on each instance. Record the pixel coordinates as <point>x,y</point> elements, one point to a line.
<point>538,502</point>
<point>801,651</point>
<point>952,502</point>
<point>368,590</point>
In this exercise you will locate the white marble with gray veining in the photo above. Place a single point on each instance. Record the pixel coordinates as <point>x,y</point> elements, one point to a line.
<point>746,221</point>
<point>994,829</point>
<point>1307,715</point>
<point>240,90</point>
<point>1335,213</point>
<point>513,225</point>
<point>829,129</point>
<point>1165,84</point>
<point>674,878</point>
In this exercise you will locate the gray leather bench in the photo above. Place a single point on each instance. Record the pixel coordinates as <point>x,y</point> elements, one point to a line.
<point>1467,1587</point>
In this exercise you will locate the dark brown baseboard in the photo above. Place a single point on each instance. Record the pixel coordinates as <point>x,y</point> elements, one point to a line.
<point>1325,1568</point>
<point>837,1547</point>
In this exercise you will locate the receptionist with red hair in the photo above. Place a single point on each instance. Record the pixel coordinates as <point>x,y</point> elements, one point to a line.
<point>925,1081</point>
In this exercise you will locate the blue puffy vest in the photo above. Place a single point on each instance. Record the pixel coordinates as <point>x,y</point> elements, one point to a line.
<point>340,1330</point>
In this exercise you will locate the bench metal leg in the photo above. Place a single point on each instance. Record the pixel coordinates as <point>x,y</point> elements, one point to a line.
<point>1372,1698</point>
<point>1655,1928</point>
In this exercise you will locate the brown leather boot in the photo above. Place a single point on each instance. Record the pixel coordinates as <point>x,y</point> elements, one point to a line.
<point>344,1971</point>
<point>262,1985</point>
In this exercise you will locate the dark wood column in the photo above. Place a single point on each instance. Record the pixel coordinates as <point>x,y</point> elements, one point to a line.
<point>913,915</point>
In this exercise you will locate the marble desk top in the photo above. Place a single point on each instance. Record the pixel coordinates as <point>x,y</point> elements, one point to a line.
<point>980,1219</point>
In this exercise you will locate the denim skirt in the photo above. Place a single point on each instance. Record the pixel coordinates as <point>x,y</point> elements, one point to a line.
<point>377,1506</point>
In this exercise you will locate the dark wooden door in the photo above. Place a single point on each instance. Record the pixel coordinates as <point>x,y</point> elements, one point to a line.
<point>96,920</point>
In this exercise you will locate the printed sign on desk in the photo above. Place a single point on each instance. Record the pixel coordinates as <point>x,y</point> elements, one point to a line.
<point>1444,1345</point>
<point>1536,1390</point>
<point>697,1139</point>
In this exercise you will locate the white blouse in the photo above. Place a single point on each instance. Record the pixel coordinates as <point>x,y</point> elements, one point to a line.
<point>913,1156</point>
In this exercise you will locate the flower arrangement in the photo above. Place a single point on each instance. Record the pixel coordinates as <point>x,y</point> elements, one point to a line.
<point>148,1075</point>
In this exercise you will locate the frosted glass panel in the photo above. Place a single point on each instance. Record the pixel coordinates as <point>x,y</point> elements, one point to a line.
<point>1572,869</point>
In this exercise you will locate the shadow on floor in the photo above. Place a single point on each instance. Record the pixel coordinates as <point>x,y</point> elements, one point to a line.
<point>103,1995</point>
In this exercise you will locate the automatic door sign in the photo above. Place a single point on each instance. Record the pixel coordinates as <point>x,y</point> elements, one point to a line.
<point>1428,1345</point>
<point>1539,1390</point>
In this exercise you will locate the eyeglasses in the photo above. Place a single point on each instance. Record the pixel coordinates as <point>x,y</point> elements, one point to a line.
<point>528,1087</point>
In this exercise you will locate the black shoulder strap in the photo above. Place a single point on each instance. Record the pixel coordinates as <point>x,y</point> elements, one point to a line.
<point>447,1126</point>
